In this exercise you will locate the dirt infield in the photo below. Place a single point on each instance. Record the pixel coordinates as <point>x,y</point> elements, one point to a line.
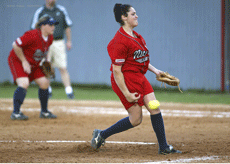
<point>201,132</point>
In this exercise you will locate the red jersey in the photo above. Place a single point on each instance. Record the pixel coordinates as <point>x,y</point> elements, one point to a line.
<point>33,45</point>
<point>129,52</point>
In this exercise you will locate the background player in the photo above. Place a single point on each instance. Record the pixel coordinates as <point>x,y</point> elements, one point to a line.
<point>57,52</point>
<point>24,59</point>
<point>130,62</point>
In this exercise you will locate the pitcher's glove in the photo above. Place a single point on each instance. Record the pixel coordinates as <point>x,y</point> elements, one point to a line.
<point>48,70</point>
<point>165,77</point>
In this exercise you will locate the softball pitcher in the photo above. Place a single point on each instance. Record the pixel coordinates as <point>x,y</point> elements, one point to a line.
<point>130,61</point>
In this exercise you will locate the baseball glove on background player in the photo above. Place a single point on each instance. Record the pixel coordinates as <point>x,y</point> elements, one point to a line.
<point>165,77</point>
<point>47,69</point>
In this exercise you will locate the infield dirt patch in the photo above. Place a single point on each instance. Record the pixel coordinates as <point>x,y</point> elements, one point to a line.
<point>196,137</point>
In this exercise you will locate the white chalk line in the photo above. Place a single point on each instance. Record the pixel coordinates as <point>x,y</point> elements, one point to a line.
<point>69,141</point>
<point>121,111</point>
<point>204,158</point>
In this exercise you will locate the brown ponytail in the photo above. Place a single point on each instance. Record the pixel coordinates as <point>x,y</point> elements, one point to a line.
<point>120,10</point>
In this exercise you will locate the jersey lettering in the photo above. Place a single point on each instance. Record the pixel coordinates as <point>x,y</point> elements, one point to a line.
<point>139,54</point>
<point>38,55</point>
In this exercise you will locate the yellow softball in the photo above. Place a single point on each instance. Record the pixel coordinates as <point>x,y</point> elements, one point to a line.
<point>154,104</point>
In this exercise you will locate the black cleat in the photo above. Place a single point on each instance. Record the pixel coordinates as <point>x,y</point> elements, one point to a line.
<point>97,140</point>
<point>48,115</point>
<point>18,116</point>
<point>168,150</point>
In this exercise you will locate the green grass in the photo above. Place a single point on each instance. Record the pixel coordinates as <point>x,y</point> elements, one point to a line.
<point>103,92</point>
<point>59,93</point>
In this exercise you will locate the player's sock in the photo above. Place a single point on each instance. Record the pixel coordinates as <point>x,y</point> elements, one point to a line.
<point>43,95</point>
<point>158,126</point>
<point>19,96</point>
<point>120,126</point>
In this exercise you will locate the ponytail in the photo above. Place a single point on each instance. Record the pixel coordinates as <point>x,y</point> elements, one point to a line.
<point>120,10</point>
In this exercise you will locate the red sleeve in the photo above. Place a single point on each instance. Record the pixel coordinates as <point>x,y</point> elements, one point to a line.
<point>25,40</point>
<point>118,54</point>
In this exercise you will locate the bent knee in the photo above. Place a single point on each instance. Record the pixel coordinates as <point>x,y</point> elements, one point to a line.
<point>152,112</point>
<point>136,122</point>
<point>43,83</point>
<point>23,83</point>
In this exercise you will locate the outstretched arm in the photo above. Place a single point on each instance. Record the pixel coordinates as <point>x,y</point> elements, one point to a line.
<point>154,70</point>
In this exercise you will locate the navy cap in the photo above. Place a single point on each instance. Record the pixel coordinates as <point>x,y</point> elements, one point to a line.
<point>49,20</point>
